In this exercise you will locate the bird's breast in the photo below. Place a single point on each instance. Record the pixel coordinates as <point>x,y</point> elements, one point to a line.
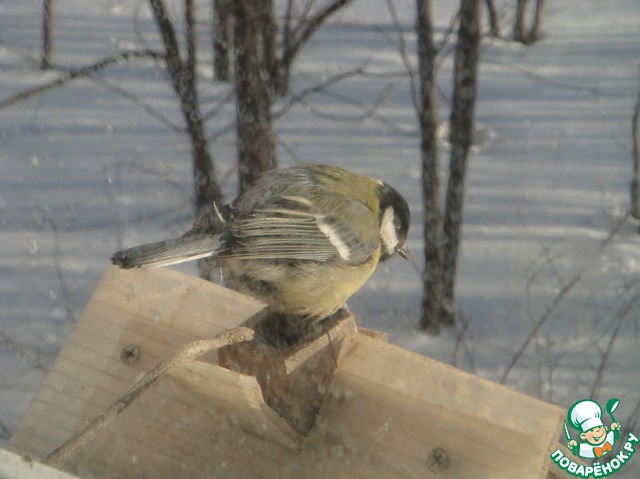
<point>305,288</point>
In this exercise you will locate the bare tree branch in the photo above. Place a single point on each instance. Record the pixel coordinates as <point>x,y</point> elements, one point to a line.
<point>621,316</point>
<point>228,98</point>
<point>564,291</point>
<point>297,37</point>
<point>403,51</point>
<point>632,421</point>
<point>139,103</point>
<point>296,98</point>
<point>308,27</point>
<point>79,73</point>
<point>367,113</point>
<point>440,51</point>
<point>461,345</point>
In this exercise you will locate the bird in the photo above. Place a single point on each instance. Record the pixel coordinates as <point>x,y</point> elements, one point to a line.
<point>302,239</point>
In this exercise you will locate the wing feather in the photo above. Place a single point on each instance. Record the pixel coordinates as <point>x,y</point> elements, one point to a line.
<point>289,228</point>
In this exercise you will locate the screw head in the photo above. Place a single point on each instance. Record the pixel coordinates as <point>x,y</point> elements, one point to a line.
<point>437,460</point>
<point>130,354</point>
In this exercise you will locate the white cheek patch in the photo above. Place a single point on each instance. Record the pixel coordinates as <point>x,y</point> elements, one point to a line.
<point>334,237</point>
<point>388,235</point>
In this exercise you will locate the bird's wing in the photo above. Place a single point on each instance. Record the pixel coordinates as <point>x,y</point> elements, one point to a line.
<point>290,227</point>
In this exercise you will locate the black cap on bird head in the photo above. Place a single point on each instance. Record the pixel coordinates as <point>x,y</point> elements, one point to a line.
<point>394,223</point>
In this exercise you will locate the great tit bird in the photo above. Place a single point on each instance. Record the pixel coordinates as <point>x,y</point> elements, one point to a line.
<point>302,239</point>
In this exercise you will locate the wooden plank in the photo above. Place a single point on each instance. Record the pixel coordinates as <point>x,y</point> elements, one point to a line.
<point>452,389</point>
<point>182,302</point>
<point>157,310</point>
<point>385,410</point>
<point>391,407</point>
<point>219,429</point>
<point>397,432</point>
<point>238,395</point>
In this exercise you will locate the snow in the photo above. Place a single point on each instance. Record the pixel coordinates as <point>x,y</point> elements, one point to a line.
<point>85,170</point>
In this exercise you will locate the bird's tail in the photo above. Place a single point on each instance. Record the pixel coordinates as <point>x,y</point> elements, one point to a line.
<point>188,247</point>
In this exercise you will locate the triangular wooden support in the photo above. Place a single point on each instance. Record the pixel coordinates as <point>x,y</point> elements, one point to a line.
<point>294,381</point>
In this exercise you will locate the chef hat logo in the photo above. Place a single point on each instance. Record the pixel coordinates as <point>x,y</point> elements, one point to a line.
<point>585,415</point>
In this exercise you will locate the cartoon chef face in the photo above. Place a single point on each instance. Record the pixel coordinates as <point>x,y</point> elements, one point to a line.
<point>595,436</point>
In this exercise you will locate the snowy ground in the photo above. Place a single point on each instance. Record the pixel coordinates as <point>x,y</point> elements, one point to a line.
<point>85,170</point>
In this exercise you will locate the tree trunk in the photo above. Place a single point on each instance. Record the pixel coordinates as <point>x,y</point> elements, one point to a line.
<point>428,117</point>
<point>635,183</point>
<point>534,33</point>
<point>222,27</point>
<point>519,33</point>
<point>461,134</point>
<point>493,19</point>
<point>47,34</point>
<point>183,80</point>
<point>255,138</point>
<point>269,41</point>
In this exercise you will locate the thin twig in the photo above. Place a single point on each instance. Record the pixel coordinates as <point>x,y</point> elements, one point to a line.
<point>139,103</point>
<point>79,73</point>
<point>369,111</point>
<point>632,421</point>
<point>445,38</point>
<point>220,105</point>
<point>405,57</point>
<point>298,97</point>
<point>622,315</point>
<point>594,90</point>
<point>189,351</point>
<point>64,286</point>
<point>564,291</point>
<point>306,27</point>
<point>461,345</point>
<point>289,149</point>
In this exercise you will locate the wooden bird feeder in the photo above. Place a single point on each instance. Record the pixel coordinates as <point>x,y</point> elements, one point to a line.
<point>345,404</point>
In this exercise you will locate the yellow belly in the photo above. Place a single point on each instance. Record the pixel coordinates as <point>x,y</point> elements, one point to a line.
<point>307,289</point>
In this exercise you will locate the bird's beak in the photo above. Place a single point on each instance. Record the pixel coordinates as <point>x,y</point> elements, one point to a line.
<point>404,252</point>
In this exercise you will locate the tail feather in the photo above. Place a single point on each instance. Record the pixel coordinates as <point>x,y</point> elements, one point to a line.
<point>163,253</point>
